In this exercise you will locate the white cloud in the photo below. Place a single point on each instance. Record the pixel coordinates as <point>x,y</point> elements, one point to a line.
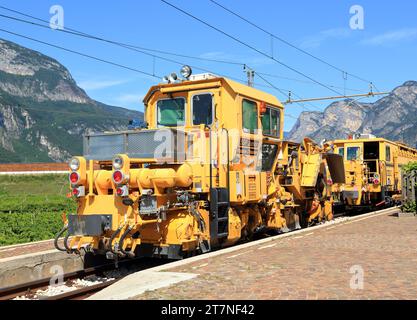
<point>254,61</point>
<point>130,98</point>
<point>391,36</point>
<point>318,39</point>
<point>100,84</point>
<point>217,55</point>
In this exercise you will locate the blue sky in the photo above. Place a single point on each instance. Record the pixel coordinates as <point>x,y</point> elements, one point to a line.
<point>383,52</point>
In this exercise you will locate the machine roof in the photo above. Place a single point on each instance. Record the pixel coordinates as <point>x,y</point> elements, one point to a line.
<point>237,87</point>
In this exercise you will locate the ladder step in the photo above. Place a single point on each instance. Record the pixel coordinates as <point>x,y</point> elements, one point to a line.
<point>222,219</point>
<point>222,235</point>
<point>223,203</point>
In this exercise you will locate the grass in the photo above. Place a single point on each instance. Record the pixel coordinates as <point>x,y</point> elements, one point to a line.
<point>31,207</point>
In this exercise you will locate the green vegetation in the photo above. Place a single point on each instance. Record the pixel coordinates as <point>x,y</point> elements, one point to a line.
<point>409,207</point>
<point>411,166</point>
<point>31,207</point>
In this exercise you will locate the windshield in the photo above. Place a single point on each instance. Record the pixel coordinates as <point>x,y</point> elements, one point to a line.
<point>250,116</point>
<point>202,109</point>
<point>353,153</point>
<point>171,112</point>
<point>271,122</point>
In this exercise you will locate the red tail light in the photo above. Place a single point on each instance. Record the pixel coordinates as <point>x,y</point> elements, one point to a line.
<point>74,177</point>
<point>78,192</point>
<point>119,191</point>
<point>376,181</point>
<point>122,191</point>
<point>118,177</point>
<point>329,182</point>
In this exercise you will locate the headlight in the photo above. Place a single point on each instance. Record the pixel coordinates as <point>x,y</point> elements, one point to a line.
<point>74,164</point>
<point>117,162</point>
<point>186,71</point>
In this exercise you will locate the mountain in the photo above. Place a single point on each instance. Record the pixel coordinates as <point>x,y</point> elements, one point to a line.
<point>393,117</point>
<point>43,113</point>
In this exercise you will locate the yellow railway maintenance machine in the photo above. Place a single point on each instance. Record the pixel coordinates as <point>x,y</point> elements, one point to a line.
<point>373,171</point>
<point>209,169</point>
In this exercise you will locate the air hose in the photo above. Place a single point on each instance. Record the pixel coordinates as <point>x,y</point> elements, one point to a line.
<point>59,234</point>
<point>114,235</point>
<point>122,239</point>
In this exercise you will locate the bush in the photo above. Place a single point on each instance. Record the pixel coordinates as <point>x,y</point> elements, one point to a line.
<point>28,227</point>
<point>411,166</point>
<point>409,206</point>
<point>31,207</point>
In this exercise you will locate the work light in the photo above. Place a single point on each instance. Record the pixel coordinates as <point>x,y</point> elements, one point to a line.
<point>186,71</point>
<point>173,77</point>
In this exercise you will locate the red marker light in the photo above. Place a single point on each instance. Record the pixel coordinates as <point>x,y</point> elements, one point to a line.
<point>262,107</point>
<point>329,182</point>
<point>376,181</point>
<point>118,176</point>
<point>75,192</point>
<point>74,177</point>
<point>119,191</point>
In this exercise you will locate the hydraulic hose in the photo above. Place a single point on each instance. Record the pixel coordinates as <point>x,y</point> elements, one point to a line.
<point>122,239</point>
<point>114,235</point>
<point>68,249</point>
<point>58,235</point>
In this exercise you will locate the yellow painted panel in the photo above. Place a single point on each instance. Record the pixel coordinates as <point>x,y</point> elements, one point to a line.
<point>310,170</point>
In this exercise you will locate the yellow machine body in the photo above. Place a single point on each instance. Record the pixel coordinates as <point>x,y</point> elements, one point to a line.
<point>228,176</point>
<point>373,170</point>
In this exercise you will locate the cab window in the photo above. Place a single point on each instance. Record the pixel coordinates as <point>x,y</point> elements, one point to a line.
<point>271,122</point>
<point>202,106</point>
<point>171,112</point>
<point>353,153</point>
<point>387,154</point>
<point>249,116</point>
<point>342,152</point>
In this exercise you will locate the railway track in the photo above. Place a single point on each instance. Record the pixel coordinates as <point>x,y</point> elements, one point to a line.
<point>77,285</point>
<point>33,290</point>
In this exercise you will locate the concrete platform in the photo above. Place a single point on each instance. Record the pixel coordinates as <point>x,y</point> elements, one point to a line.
<point>26,248</point>
<point>133,284</point>
<point>372,256</point>
<point>37,265</point>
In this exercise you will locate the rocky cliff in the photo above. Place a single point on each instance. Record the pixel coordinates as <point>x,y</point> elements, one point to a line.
<point>43,113</point>
<point>393,117</point>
